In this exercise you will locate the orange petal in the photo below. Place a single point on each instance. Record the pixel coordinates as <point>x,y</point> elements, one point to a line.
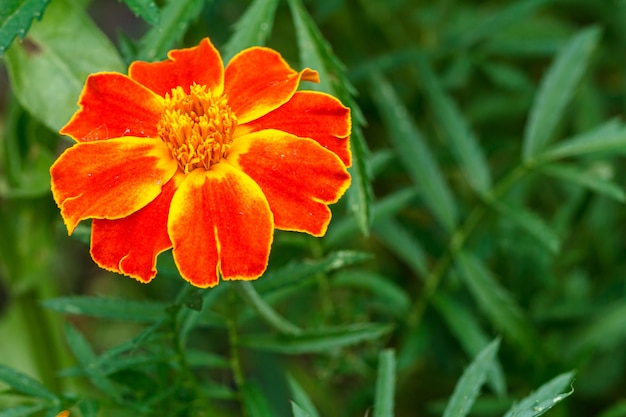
<point>131,244</point>
<point>314,115</point>
<point>109,179</point>
<point>220,222</point>
<point>297,175</point>
<point>258,80</point>
<point>201,64</point>
<point>112,106</point>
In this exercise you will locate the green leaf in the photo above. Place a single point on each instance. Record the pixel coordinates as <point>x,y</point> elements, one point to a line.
<point>403,244</point>
<point>22,410</point>
<point>263,309</point>
<point>585,178</point>
<point>468,387</point>
<point>301,399</point>
<point>252,29</point>
<point>147,9</point>
<point>546,397</point>
<point>603,331</point>
<point>385,384</point>
<point>529,222</point>
<point>495,301</point>
<point>175,19</point>
<point>411,149</point>
<point>556,90</point>
<point>16,17</point>
<point>109,308</point>
<point>298,411</point>
<point>48,70</point>
<point>24,384</point>
<point>254,401</point>
<point>316,53</point>
<point>316,341</point>
<point>459,136</point>
<point>89,407</point>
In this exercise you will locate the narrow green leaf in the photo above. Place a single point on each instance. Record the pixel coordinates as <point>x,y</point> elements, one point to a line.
<point>459,136</point>
<point>585,178</point>
<point>414,154</point>
<point>529,222</point>
<point>47,71</point>
<point>254,401</point>
<point>403,244</point>
<point>300,398</point>
<point>298,411</point>
<point>472,338</point>
<point>22,410</point>
<point>360,194</point>
<point>264,310</point>
<point>147,9</point>
<point>495,301</point>
<point>468,387</point>
<point>252,28</point>
<point>109,308</point>
<point>316,341</point>
<point>25,384</point>
<point>546,397</point>
<point>175,19</point>
<point>16,17</point>
<point>603,331</point>
<point>89,407</point>
<point>385,384</point>
<point>556,90</point>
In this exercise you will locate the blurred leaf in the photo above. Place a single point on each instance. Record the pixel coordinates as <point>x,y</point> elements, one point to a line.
<point>22,410</point>
<point>608,137</point>
<point>459,136</point>
<point>147,9</point>
<point>176,16</point>
<point>546,397</point>
<point>556,90</point>
<point>254,401</point>
<point>202,359</point>
<point>584,178</point>
<point>385,384</point>
<point>466,329</point>
<point>300,399</point>
<point>316,341</point>
<point>24,384</point>
<point>414,154</point>
<point>41,77</point>
<point>16,17</point>
<point>603,331</point>
<point>317,54</point>
<point>263,309</point>
<point>252,29</point>
<point>468,387</point>
<point>507,76</point>
<point>88,407</point>
<point>529,222</point>
<point>298,411</point>
<point>615,410</point>
<point>109,308</point>
<point>403,244</point>
<point>495,301</point>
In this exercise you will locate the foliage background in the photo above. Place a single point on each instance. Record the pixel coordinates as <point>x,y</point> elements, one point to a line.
<point>487,202</point>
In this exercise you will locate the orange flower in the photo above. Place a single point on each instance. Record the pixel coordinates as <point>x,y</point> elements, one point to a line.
<point>206,160</point>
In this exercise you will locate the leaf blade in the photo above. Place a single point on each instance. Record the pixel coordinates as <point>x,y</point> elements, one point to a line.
<point>385,384</point>
<point>25,384</point>
<point>147,9</point>
<point>252,28</point>
<point>109,308</point>
<point>16,17</point>
<point>544,398</point>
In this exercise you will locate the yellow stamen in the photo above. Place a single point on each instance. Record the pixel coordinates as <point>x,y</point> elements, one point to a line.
<point>197,127</point>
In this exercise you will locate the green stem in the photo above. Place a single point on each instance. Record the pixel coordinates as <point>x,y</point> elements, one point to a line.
<point>233,341</point>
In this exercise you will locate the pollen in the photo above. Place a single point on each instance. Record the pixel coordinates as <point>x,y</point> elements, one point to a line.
<point>197,127</point>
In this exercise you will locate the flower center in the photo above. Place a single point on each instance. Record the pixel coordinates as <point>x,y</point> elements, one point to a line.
<point>197,127</point>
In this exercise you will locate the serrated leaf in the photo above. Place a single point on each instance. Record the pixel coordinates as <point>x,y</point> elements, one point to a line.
<point>414,154</point>
<point>176,16</point>
<point>468,387</point>
<point>316,341</point>
<point>495,301</point>
<point>109,308</point>
<point>47,71</point>
<point>385,384</point>
<point>254,401</point>
<point>547,396</point>
<point>300,399</point>
<point>16,17</point>
<point>24,384</point>
<point>462,141</point>
<point>22,410</point>
<point>252,28</point>
<point>582,177</point>
<point>147,9</point>
<point>556,90</point>
<point>529,222</point>
<point>298,411</point>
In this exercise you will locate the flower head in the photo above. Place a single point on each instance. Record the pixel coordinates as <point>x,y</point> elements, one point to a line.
<point>205,160</point>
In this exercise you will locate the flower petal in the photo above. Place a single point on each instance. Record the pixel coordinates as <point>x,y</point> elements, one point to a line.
<point>258,80</point>
<point>200,64</point>
<point>220,222</point>
<point>131,244</point>
<point>314,115</point>
<point>112,106</point>
<point>109,179</point>
<point>298,177</point>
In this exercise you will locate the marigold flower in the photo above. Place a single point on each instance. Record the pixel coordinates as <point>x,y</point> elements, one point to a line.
<point>205,160</point>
